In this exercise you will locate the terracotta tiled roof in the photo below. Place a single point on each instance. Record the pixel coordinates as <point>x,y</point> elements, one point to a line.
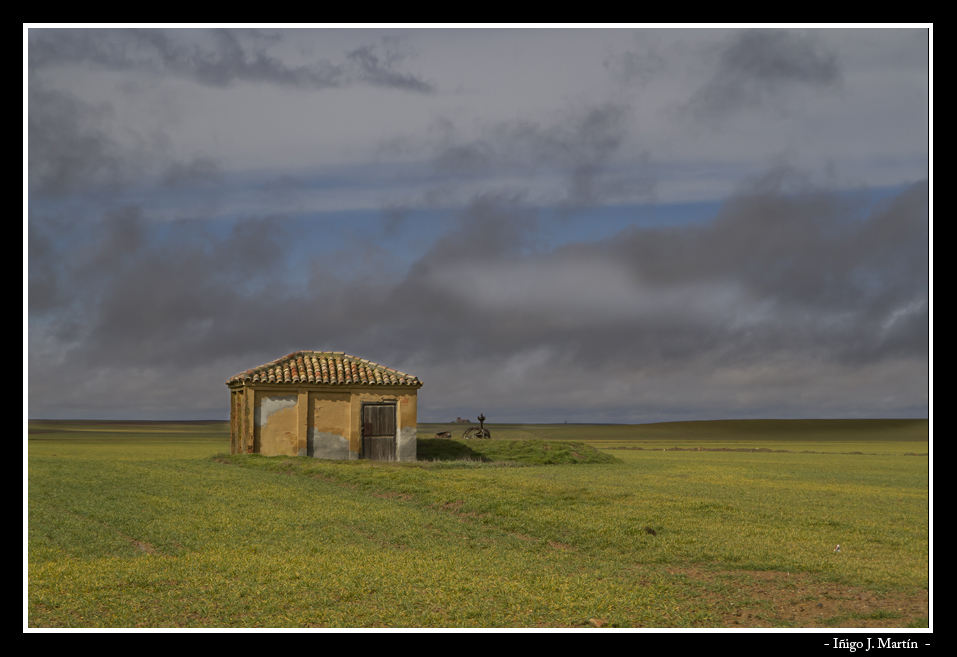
<point>333,367</point>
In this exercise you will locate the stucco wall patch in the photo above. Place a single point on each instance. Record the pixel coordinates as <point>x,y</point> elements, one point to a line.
<point>269,404</point>
<point>328,445</point>
<point>276,417</point>
<point>406,447</point>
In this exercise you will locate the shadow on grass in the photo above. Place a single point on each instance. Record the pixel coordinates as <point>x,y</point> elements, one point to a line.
<point>444,449</point>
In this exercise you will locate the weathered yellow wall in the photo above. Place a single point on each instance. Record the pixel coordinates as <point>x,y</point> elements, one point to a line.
<point>235,421</point>
<point>329,428</point>
<point>407,443</point>
<point>407,411</point>
<point>248,401</point>
<point>276,430</point>
<point>241,420</point>
<point>320,423</point>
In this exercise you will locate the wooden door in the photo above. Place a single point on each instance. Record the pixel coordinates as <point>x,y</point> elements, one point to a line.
<point>378,432</point>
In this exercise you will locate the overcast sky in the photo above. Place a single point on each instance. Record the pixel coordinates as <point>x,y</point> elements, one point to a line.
<point>591,225</point>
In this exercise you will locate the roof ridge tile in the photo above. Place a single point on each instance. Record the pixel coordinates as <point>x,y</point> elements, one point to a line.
<point>325,367</point>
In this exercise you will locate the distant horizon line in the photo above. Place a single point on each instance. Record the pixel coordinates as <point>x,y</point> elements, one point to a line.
<point>743,419</point>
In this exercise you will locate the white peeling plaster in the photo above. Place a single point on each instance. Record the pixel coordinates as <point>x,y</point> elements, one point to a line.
<point>272,404</point>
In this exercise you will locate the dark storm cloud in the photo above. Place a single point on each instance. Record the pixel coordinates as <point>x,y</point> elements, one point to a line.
<point>780,282</point>
<point>380,70</point>
<point>581,146</point>
<point>74,145</point>
<point>757,68</point>
<point>829,282</point>
<point>70,143</point>
<point>164,302</point>
<point>773,272</point>
<point>221,60</point>
<point>806,246</point>
<point>77,145</point>
<point>216,58</point>
<point>188,297</point>
<point>776,274</point>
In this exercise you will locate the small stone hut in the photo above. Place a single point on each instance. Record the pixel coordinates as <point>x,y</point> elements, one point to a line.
<point>323,404</point>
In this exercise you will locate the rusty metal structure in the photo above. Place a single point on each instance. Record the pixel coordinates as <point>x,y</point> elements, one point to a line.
<point>477,432</point>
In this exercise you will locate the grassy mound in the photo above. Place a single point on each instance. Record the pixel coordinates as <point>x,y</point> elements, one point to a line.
<point>531,452</point>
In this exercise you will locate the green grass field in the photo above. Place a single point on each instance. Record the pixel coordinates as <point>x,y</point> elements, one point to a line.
<point>832,436</point>
<point>155,525</point>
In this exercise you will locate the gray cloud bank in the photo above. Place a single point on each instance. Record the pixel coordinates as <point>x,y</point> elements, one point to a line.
<point>217,58</point>
<point>582,146</point>
<point>79,146</point>
<point>757,68</point>
<point>155,274</point>
<point>797,299</point>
